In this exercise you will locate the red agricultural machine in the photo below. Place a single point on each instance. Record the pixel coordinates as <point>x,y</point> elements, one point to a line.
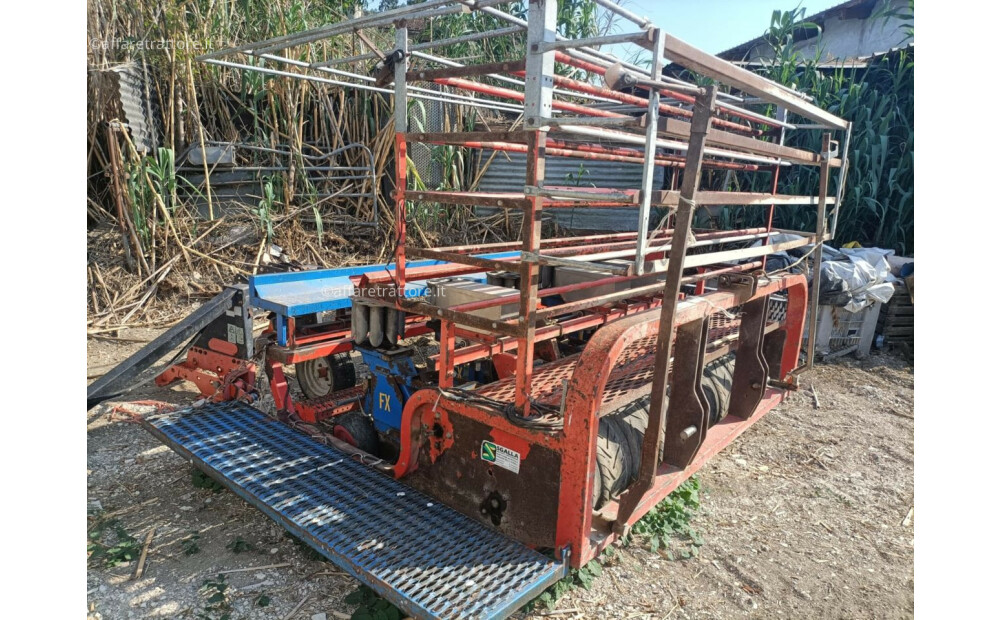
<point>466,423</point>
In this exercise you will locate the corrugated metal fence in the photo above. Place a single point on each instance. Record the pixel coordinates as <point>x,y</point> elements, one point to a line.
<point>506,174</point>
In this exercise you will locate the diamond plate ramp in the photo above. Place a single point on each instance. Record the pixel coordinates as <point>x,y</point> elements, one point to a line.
<point>424,557</point>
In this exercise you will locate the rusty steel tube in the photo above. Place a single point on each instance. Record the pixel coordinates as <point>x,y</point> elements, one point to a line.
<point>566,59</point>
<point>560,148</point>
<point>721,235</point>
<point>506,93</point>
<point>506,343</point>
<point>637,101</point>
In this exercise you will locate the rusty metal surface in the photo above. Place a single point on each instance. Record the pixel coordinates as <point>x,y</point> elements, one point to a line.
<point>750,374</point>
<point>687,411</point>
<point>652,440</point>
<point>515,504</point>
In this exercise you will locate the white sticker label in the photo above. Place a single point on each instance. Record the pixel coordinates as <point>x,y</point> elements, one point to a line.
<point>501,456</point>
<point>234,333</point>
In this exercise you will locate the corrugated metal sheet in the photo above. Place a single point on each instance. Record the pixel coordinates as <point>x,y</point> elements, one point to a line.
<point>136,106</point>
<point>506,174</point>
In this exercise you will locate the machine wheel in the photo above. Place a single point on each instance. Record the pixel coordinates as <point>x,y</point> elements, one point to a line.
<point>324,375</point>
<point>619,434</point>
<point>718,384</point>
<point>619,448</point>
<point>356,429</point>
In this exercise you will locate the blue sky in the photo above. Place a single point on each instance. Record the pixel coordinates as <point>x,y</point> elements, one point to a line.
<point>717,25</point>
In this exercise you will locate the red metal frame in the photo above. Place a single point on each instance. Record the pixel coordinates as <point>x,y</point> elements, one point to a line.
<point>577,441</point>
<point>217,375</point>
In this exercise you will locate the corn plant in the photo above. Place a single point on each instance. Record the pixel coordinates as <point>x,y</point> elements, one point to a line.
<point>266,206</point>
<point>877,207</point>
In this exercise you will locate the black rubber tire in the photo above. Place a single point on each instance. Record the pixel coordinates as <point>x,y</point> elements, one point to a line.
<point>595,497</point>
<point>619,433</point>
<point>357,429</point>
<point>718,385</point>
<point>345,374</point>
<point>619,448</point>
<point>342,375</point>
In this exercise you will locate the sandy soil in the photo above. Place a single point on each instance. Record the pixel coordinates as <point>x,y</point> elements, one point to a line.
<point>803,516</point>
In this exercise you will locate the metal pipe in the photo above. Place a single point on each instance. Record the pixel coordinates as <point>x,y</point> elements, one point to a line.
<point>323,32</point>
<point>730,109</point>
<point>584,87</point>
<point>475,36</point>
<point>652,120</point>
<point>642,22</point>
<point>497,91</point>
<point>386,18</point>
<point>608,39</point>
<point>500,77</point>
<point>783,114</point>
<point>433,95</point>
<point>841,177</point>
<point>560,148</point>
<point>817,251</point>
<point>667,144</point>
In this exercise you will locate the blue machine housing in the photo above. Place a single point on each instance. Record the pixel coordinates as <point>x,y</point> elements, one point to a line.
<point>393,382</point>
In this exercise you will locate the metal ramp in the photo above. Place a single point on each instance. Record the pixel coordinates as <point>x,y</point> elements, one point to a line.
<point>424,557</point>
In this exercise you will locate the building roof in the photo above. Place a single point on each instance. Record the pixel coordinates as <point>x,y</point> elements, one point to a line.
<point>862,8</point>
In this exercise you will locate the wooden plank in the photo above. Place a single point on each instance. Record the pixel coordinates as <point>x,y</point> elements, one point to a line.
<point>672,198</point>
<point>484,199</point>
<point>677,128</point>
<point>429,75</point>
<point>461,137</point>
<point>463,259</point>
<point>727,73</point>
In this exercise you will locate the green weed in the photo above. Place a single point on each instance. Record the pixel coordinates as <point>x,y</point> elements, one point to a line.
<point>190,544</point>
<point>669,523</point>
<point>239,546</point>
<point>216,605</point>
<point>202,480</point>
<point>109,544</point>
<point>370,606</point>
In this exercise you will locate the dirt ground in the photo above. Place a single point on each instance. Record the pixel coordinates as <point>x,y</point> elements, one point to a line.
<point>808,514</point>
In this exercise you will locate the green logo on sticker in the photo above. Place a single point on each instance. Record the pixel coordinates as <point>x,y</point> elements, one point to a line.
<point>489,451</point>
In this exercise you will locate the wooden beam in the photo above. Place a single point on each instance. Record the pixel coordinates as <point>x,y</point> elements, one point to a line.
<point>461,137</point>
<point>714,67</point>
<point>681,129</point>
<point>483,199</point>
<point>672,199</point>
<point>462,259</point>
<point>429,75</point>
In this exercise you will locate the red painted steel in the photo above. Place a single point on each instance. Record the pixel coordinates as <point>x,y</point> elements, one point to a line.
<point>560,148</point>
<point>216,375</point>
<point>640,102</point>
<point>589,376</point>
<point>566,59</point>
<point>506,93</point>
<point>400,273</point>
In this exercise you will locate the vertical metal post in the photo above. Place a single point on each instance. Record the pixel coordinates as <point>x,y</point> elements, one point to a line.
<point>817,261</point>
<point>539,67</point>
<point>652,440</point>
<point>782,116</point>
<point>649,165</point>
<point>400,117</point>
<point>446,362</point>
<point>842,176</point>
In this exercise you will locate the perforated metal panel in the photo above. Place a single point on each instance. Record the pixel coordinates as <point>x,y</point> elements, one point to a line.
<point>424,557</point>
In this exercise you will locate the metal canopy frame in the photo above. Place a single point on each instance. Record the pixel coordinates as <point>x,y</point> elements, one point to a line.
<point>674,124</point>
